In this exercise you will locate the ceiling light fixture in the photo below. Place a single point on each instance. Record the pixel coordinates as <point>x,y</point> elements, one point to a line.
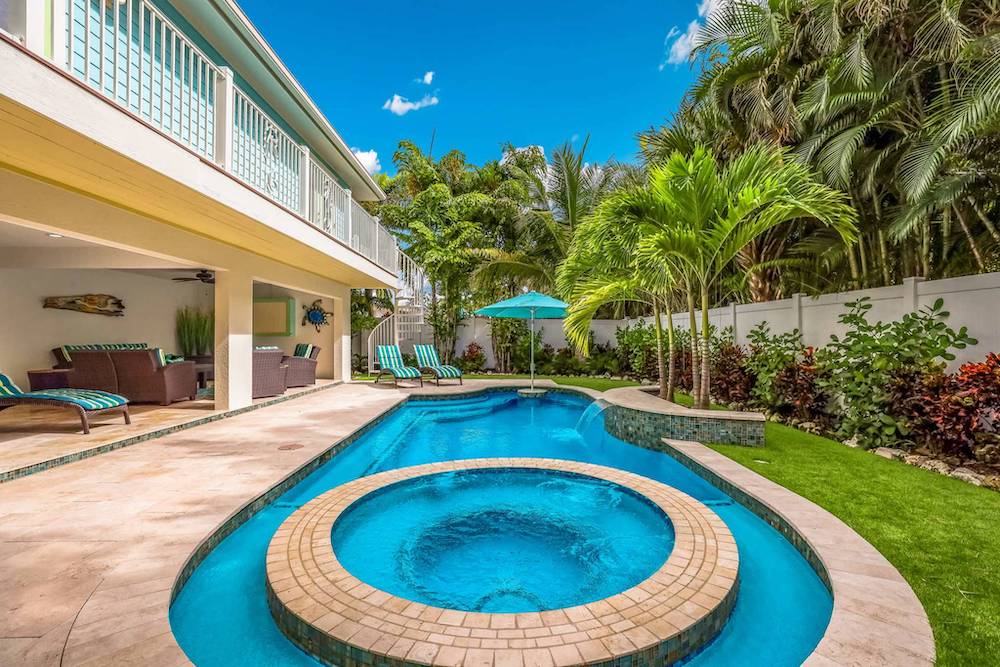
<point>53,235</point>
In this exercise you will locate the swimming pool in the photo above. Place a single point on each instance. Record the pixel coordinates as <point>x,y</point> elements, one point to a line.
<point>221,616</point>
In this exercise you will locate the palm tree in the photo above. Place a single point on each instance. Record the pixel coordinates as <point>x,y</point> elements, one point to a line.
<point>603,268</point>
<point>708,215</point>
<point>896,106</point>
<point>562,193</point>
<point>435,209</point>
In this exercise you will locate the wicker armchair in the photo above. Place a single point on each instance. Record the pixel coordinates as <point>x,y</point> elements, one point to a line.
<point>269,373</point>
<point>142,379</point>
<point>302,370</point>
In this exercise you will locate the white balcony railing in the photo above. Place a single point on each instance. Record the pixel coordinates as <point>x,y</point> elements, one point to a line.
<point>136,57</point>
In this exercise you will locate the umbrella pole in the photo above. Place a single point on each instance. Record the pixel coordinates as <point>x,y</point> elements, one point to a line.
<point>532,349</point>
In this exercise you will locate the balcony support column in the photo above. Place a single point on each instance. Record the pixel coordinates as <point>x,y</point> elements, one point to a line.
<point>342,336</point>
<point>225,103</point>
<point>233,340</point>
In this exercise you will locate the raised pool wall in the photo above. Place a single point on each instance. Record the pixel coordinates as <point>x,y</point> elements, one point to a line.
<point>638,416</point>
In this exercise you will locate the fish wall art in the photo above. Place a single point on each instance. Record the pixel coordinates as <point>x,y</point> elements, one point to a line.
<point>94,304</point>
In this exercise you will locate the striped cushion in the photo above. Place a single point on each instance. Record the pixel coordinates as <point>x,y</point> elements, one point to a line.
<point>303,350</point>
<point>7,386</point>
<point>88,399</point>
<point>67,350</point>
<point>427,357</point>
<point>390,359</point>
<point>161,357</point>
<point>445,371</point>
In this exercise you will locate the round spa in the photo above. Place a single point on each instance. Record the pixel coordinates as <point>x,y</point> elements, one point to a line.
<point>433,563</point>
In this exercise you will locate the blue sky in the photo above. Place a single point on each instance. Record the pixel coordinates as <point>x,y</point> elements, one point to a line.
<point>529,72</point>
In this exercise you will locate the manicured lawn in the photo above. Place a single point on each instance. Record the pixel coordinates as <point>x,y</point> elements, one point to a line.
<point>943,535</point>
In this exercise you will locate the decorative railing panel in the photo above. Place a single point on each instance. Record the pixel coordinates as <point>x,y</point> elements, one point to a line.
<point>329,204</point>
<point>264,155</point>
<point>133,55</point>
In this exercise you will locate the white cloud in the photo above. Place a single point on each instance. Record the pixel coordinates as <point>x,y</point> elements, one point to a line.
<point>679,52</point>
<point>678,45</point>
<point>368,159</point>
<point>427,79</point>
<point>401,106</point>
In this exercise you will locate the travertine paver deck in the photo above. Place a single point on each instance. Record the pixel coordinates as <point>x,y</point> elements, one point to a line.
<point>35,438</point>
<point>877,618</point>
<point>90,551</point>
<point>326,610</point>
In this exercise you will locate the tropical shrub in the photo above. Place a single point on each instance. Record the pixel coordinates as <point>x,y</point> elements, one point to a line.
<point>562,362</point>
<point>860,368</point>
<point>798,388</point>
<point>603,360</point>
<point>637,350</point>
<point>473,359</point>
<point>951,415</point>
<point>771,357</point>
<point>731,383</point>
<point>521,357</point>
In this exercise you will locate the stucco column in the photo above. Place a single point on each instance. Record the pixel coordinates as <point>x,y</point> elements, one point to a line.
<point>233,340</point>
<point>342,336</point>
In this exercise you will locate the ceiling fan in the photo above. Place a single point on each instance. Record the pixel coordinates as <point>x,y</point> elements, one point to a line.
<point>204,275</point>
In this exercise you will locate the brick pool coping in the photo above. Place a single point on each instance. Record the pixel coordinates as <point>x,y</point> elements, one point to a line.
<point>340,620</point>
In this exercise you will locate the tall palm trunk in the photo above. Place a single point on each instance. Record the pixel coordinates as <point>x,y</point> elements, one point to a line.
<point>695,366</point>
<point>990,227</point>
<point>971,239</point>
<point>706,335</point>
<point>671,364</point>
<point>658,329</point>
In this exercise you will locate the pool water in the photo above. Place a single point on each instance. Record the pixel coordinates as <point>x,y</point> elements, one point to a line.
<point>503,540</point>
<point>221,616</point>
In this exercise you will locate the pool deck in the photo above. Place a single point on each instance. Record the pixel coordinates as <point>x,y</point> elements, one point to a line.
<point>90,551</point>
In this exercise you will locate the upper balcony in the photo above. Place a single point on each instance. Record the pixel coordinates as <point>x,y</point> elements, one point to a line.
<point>199,73</point>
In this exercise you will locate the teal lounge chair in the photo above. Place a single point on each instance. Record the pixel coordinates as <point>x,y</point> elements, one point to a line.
<point>390,360</point>
<point>428,361</point>
<point>85,402</point>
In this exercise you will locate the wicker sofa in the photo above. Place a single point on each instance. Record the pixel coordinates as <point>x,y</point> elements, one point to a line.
<point>139,375</point>
<point>302,365</point>
<point>270,374</point>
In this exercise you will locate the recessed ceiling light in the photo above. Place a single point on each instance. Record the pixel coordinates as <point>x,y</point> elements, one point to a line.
<point>53,235</point>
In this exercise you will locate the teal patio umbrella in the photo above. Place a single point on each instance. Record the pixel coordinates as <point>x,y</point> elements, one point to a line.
<point>530,305</point>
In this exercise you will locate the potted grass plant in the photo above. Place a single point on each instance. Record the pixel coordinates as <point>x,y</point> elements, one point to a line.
<point>196,334</point>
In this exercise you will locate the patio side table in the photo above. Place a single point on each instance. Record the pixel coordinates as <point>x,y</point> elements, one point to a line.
<point>205,372</point>
<point>48,378</point>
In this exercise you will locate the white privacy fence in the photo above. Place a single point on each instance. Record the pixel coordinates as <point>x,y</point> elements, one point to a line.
<point>133,55</point>
<point>972,301</point>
